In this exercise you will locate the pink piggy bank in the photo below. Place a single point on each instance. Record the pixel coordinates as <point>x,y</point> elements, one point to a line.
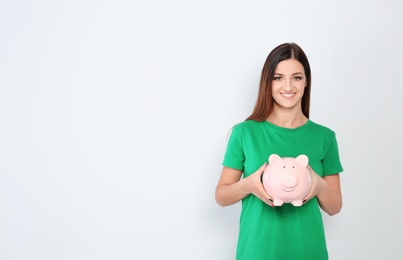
<point>287,180</point>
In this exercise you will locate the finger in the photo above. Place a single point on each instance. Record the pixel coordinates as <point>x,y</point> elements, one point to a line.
<point>263,167</point>
<point>269,202</point>
<point>307,198</point>
<point>267,198</point>
<point>261,171</point>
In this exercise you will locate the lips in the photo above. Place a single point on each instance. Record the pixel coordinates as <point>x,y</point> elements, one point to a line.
<point>288,95</point>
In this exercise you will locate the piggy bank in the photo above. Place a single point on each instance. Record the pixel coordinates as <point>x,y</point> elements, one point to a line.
<point>287,180</point>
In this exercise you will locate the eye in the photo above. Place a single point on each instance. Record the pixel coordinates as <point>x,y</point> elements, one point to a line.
<point>297,78</point>
<point>283,166</point>
<point>277,78</point>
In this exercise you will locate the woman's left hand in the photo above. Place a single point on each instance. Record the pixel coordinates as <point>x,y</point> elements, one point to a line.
<point>317,184</point>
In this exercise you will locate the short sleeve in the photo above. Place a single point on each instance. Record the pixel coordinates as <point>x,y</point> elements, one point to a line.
<point>331,161</point>
<point>234,155</point>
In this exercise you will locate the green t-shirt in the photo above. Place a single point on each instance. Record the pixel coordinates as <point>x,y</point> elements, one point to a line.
<point>285,232</point>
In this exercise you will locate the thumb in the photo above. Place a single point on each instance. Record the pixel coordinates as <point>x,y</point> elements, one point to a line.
<point>261,170</point>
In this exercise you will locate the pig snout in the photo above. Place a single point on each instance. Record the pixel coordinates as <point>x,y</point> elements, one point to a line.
<point>289,181</point>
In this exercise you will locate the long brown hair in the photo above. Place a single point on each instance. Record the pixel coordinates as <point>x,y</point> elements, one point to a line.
<point>264,103</point>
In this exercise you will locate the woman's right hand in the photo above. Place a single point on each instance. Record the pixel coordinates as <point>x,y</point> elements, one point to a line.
<point>254,182</point>
<point>231,188</point>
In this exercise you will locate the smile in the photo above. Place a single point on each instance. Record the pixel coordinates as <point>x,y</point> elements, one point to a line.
<point>288,190</point>
<point>288,95</point>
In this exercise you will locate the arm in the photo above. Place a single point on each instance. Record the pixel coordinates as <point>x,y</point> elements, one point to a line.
<point>231,188</point>
<point>328,192</point>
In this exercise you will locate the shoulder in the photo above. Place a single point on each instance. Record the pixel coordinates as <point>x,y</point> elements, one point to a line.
<point>321,129</point>
<point>246,126</point>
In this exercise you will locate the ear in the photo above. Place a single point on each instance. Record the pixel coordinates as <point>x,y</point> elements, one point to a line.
<point>274,158</point>
<point>302,159</point>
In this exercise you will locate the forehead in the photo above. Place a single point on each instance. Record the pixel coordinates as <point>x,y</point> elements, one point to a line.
<point>290,66</point>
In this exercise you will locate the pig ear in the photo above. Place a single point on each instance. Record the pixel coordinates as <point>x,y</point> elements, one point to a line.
<point>274,158</point>
<point>302,159</point>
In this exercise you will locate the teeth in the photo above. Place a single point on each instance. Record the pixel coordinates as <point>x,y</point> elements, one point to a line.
<point>288,95</point>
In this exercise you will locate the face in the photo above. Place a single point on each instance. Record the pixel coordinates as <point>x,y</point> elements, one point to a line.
<point>288,85</point>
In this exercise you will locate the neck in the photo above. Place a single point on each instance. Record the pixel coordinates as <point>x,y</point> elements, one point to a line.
<point>287,121</point>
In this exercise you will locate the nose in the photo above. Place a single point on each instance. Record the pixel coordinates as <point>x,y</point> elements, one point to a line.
<point>288,85</point>
<point>289,181</point>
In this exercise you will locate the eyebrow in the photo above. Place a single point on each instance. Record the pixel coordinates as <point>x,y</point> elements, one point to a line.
<point>297,73</point>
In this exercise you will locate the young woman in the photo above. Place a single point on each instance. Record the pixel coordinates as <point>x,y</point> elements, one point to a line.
<point>280,124</point>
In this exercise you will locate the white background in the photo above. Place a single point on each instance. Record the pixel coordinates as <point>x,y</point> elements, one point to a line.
<point>114,117</point>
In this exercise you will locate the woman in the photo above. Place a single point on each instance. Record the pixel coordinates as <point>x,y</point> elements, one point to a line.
<point>280,124</point>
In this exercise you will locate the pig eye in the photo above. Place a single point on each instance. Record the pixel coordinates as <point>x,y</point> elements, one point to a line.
<point>284,166</point>
<point>293,167</point>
